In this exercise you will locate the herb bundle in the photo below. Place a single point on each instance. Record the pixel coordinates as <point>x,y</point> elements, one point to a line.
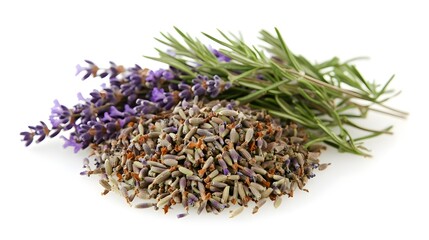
<point>219,127</point>
<point>326,98</point>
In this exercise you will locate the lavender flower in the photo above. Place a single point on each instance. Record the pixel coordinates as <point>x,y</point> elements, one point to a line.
<point>146,107</point>
<point>200,85</point>
<point>70,142</point>
<point>132,92</point>
<point>185,91</point>
<point>92,69</point>
<point>220,56</point>
<point>216,85</point>
<point>27,137</point>
<point>60,114</point>
<point>203,85</point>
<point>157,95</point>
<point>158,77</point>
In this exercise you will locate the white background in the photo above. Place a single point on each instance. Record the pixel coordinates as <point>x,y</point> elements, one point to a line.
<point>43,196</point>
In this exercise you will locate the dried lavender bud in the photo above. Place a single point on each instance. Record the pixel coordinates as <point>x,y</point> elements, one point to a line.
<point>195,175</point>
<point>236,212</point>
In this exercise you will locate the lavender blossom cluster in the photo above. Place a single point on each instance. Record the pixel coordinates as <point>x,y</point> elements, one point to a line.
<point>130,93</point>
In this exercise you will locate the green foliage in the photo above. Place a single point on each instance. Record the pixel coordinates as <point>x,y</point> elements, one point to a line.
<point>322,97</point>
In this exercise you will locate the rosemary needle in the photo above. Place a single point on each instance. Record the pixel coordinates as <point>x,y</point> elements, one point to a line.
<point>322,97</point>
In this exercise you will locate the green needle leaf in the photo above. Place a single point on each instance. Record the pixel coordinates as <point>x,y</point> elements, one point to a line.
<point>321,97</point>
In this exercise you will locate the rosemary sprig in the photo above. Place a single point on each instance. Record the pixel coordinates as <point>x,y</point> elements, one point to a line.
<point>322,97</point>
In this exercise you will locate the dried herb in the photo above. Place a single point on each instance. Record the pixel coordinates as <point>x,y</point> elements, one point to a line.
<point>326,98</point>
<point>219,127</point>
<point>208,155</point>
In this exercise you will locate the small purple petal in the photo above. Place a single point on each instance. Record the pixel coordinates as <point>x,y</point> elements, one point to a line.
<point>157,95</point>
<point>86,76</point>
<point>79,69</point>
<point>114,112</point>
<point>181,215</point>
<point>72,143</point>
<point>89,62</point>
<point>168,75</point>
<point>80,97</point>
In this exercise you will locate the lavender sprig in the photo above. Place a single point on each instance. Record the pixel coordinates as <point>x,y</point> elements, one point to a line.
<point>131,93</point>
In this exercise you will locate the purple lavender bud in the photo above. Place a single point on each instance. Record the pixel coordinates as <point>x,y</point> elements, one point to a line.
<point>72,143</point>
<point>155,78</point>
<point>198,89</point>
<point>192,199</point>
<point>168,102</point>
<point>151,77</point>
<point>248,172</point>
<point>158,94</point>
<point>171,129</point>
<point>200,79</point>
<point>216,204</point>
<point>145,106</point>
<point>182,184</point>
<point>227,86</point>
<point>86,76</point>
<point>220,56</point>
<point>135,79</point>
<point>183,86</point>
<point>234,155</point>
<point>28,138</point>
<point>103,74</point>
<point>59,114</point>
<point>181,215</point>
<point>125,121</point>
<point>114,112</point>
<point>89,62</point>
<point>185,94</point>
<point>224,166</point>
<point>295,163</point>
<point>55,133</point>
<point>111,128</point>
<point>222,128</point>
<point>129,111</point>
<point>168,75</point>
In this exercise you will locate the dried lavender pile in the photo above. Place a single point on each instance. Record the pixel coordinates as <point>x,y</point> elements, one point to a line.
<point>208,155</point>
<point>218,127</point>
